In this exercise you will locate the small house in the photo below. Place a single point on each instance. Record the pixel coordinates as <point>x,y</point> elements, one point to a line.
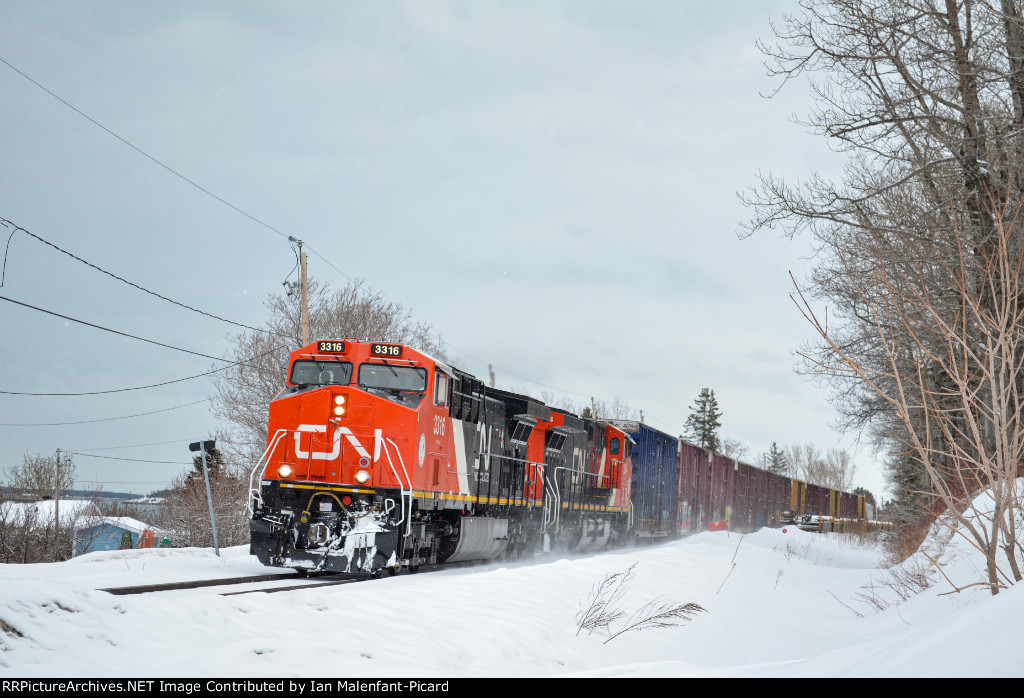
<point>116,533</point>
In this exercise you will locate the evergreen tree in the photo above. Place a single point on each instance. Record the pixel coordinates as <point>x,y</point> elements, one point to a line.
<point>702,424</point>
<point>775,460</point>
<point>214,464</point>
<point>866,494</point>
<point>126,541</point>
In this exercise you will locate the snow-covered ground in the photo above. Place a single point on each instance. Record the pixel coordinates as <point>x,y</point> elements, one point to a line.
<point>793,604</point>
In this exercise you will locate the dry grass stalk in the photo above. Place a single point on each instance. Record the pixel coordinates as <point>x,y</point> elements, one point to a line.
<point>604,608</point>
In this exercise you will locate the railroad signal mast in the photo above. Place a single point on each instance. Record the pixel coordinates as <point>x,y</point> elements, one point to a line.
<point>203,447</point>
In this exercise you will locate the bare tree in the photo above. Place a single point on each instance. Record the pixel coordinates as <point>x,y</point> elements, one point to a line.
<point>244,391</point>
<point>37,476</point>
<point>186,515</point>
<point>841,469</point>
<point>561,403</point>
<point>966,430</point>
<point>25,535</point>
<point>803,459</point>
<point>834,469</point>
<point>28,533</point>
<point>927,100</point>
<point>618,408</point>
<point>733,448</point>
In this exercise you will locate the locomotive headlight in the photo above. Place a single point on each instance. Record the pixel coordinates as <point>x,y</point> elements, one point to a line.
<point>339,410</point>
<point>362,476</point>
<point>339,399</point>
<point>285,470</point>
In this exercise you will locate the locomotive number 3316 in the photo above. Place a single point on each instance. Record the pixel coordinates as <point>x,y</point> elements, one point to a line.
<point>386,349</point>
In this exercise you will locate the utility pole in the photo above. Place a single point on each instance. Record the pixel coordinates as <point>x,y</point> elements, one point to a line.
<point>56,499</point>
<point>202,446</point>
<point>305,296</point>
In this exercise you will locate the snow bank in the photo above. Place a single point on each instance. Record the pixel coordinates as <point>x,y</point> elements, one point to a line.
<point>776,604</point>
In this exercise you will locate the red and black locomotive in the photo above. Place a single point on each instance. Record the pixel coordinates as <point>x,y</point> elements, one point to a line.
<point>381,457</point>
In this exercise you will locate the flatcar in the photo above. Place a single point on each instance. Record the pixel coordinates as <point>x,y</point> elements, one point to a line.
<point>381,458</point>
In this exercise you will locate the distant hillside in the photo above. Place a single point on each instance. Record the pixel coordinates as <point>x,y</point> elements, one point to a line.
<point>10,493</point>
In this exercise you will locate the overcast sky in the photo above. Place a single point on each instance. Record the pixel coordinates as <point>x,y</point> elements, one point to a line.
<point>551,185</point>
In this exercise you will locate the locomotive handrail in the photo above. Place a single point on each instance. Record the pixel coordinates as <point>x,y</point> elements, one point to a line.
<point>406,519</point>
<point>539,464</point>
<point>548,487</point>
<point>519,460</point>
<point>266,455</point>
<point>394,472</point>
<point>558,494</point>
<point>557,497</point>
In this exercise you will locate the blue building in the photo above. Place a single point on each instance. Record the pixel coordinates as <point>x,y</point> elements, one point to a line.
<point>114,533</point>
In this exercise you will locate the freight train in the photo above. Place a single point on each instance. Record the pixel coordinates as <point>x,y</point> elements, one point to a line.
<point>380,459</point>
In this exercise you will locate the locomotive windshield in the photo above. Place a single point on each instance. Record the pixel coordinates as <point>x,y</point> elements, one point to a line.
<point>405,385</point>
<point>389,377</point>
<point>321,373</point>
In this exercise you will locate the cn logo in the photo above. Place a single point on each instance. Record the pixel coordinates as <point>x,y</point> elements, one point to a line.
<point>335,444</point>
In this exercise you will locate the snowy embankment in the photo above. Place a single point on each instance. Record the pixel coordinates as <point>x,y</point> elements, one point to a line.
<point>776,604</point>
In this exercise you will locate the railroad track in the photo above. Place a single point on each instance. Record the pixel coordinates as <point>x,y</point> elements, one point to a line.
<point>274,590</point>
<point>304,582</point>
<point>230,581</point>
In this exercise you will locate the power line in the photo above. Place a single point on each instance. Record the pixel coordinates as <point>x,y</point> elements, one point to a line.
<point>107,329</point>
<point>143,387</point>
<point>115,448</point>
<point>166,167</point>
<point>142,339</point>
<point>324,260</point>
<point>544,385</point>
<point>122,390</point>
<point>143,152</point>
<point>528,380</point>
<point>449,344</point>
<point>223,201</point>
<point>188,351</point>
<point>6,250</point>
<point>655,419</point>
<point>194,184</point>
<point>133,460</point>
<point>17,227</point>
<point>108,419</point>
<point>125,482</point>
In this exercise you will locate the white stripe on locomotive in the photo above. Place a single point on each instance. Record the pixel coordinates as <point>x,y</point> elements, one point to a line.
<point>461,466</point>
